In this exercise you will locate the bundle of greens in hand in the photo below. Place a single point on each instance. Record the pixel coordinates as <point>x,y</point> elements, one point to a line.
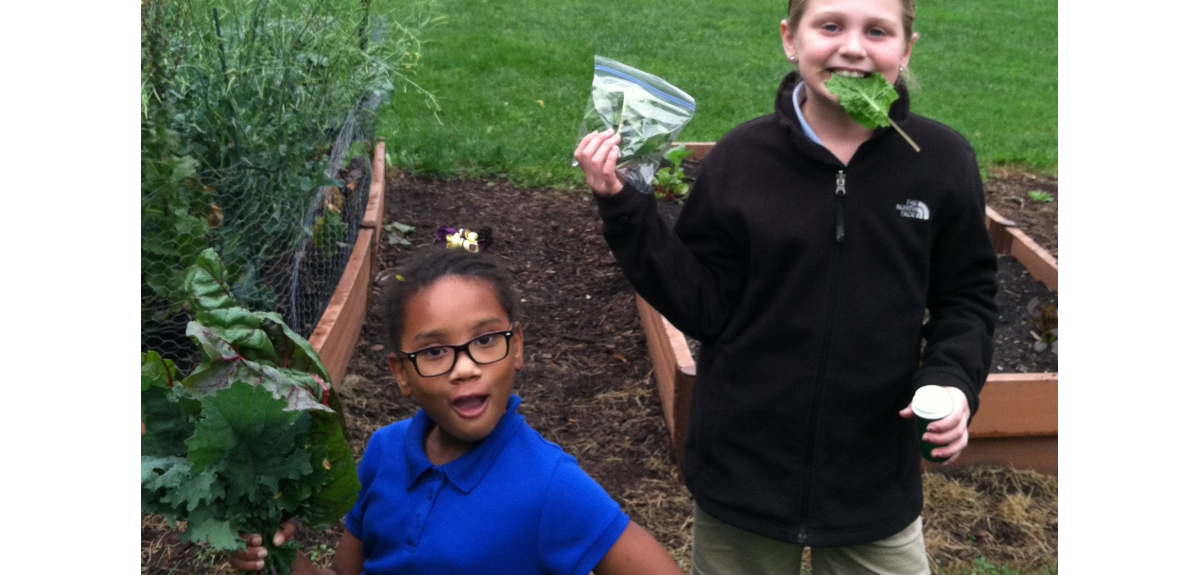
<point>252,437</point>
<point>867,100</point>
<point>646,111</point>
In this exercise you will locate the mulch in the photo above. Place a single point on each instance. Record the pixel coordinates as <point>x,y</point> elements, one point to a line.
<point>587,384</point>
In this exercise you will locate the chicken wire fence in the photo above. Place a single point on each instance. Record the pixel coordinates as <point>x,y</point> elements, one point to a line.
<point>284,255</point>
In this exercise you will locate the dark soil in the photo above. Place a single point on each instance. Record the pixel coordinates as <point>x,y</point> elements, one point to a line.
<point>1007,192</point>
<point>587,385</point>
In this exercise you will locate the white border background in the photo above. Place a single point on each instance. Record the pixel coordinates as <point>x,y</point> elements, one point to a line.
<point>1127,168</point>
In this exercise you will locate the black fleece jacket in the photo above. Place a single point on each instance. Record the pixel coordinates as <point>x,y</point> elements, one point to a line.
<point>806,281</point>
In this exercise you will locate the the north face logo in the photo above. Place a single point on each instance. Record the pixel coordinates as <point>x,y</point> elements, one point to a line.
<point>914,209</point>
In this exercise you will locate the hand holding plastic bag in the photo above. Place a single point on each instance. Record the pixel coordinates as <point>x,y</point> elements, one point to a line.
<point>645,110</point>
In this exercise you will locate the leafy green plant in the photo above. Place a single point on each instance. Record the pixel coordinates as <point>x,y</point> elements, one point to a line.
<point>397,232</point>
<point>252,437</point>
<point>1040,196</point>
<point>329,232</point>
<point>174,229</point>
<point>316,552</point>
<point>867,100</point>
<point>242,100</point>
<point>670,184</point>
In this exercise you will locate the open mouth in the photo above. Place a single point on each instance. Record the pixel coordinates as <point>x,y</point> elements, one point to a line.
<point>848,73</point>
<point>470,406</point>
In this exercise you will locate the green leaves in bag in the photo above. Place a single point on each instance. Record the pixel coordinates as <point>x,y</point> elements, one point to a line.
<point>252,438</point>
<point>867,101</point>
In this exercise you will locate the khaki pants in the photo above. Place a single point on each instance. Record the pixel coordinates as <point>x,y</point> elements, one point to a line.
<point>720,549</point>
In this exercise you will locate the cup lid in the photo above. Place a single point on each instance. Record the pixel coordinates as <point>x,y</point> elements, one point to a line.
<point>932,402</point>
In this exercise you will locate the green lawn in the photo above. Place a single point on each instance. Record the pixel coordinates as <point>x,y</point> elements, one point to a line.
<point>512,77</point>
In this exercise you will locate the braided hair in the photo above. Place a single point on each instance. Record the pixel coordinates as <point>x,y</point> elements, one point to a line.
<point>432,264</point>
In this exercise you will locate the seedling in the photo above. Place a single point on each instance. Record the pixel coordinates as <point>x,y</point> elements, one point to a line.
<point>1041,197</point>
<point>669,183</point>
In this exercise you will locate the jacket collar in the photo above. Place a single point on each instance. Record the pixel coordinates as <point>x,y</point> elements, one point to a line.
<point>466,471</point>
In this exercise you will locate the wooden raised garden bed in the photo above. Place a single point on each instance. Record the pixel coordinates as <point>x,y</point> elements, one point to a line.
<point>1017,422</point>
<point>337,332</point>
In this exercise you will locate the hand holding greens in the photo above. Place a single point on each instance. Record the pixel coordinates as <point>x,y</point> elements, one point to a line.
<point>645,110</point>
<point>252,438</point>
<point>867,100</point>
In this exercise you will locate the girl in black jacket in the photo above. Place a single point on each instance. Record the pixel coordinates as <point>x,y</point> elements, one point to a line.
<point>813,259</point>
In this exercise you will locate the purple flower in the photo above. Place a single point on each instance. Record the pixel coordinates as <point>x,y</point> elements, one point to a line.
<point>445,231</point>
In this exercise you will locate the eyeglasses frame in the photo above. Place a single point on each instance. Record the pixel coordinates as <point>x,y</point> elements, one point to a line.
<point>464,348</point>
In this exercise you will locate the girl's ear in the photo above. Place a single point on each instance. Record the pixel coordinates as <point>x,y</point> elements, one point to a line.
<point>517,347</point>
<point>785,34</point>
<point>396,365</point>
<point>908,49</point>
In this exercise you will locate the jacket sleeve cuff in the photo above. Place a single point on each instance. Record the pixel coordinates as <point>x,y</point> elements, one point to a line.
<point>619,210</point>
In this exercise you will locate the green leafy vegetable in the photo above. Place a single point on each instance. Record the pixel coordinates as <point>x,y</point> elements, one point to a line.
<point>252,437</point>
<point>670,184</point>
<point>867,101</point>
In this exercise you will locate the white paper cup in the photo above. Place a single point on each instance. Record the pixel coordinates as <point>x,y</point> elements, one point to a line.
<point>930,404</point>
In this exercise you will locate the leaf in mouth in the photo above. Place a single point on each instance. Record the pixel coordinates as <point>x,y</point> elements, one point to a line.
<point>867,101</point>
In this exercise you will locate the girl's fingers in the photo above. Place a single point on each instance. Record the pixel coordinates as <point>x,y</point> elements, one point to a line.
<point>252,539</point>
<point>610,165</point>
<point>601,154</point>
<point>285,533</point>
<point>953,450</point>
<point>597,154</point>
<point>588,146</point>
<point>583,144</point>
<point>945,435</point>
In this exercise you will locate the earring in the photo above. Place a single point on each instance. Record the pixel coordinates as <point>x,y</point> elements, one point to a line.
<point>791,57</point>
<point>902,68</point>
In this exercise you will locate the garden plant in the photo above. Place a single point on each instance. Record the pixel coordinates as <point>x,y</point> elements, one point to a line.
<point>257,124</point>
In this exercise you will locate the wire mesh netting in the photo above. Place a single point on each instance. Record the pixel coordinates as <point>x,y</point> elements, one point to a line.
<point>257,137</point>
<point>294,274</point>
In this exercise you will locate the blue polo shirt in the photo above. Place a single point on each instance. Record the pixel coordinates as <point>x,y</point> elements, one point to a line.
<point>514,503</point>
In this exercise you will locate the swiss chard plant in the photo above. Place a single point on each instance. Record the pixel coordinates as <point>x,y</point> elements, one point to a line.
<point>670,184</point>
<point>252,437</point>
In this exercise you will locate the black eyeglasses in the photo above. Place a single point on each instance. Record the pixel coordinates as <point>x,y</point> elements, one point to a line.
<point>439,360</point>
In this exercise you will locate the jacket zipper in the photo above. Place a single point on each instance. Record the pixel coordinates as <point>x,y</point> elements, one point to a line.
<point>840,194</point>
<point>826,343</point>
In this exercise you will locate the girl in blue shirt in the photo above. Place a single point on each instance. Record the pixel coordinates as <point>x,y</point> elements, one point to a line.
<point>465,485</point>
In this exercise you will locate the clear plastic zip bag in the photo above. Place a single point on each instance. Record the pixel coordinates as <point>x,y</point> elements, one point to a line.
<point>644,109</point>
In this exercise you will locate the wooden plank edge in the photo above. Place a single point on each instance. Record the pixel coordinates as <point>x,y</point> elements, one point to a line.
<point>679,348</point>
<point>338,330</point>
<point>1041,265</point>
<point>373,218</point>
<point>998,227</point>
<point>699,149</point>
<point>1039,454</point>
<point>1017,405</point>
<point>662,359</point>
